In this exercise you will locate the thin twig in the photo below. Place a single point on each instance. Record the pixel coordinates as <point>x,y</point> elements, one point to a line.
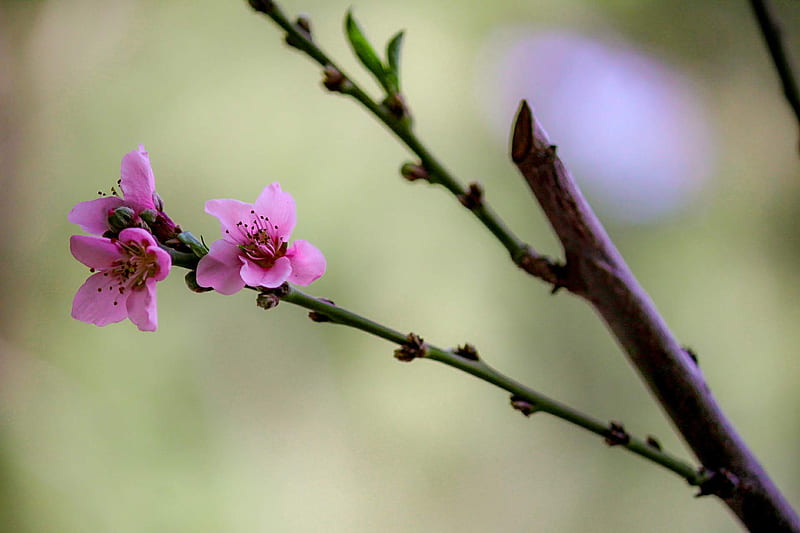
<point>522,254</point>
<point>524,398</point>
<point>777,51</point>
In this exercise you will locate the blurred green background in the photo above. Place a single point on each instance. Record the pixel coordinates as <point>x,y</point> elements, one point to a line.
<point>233,419</point>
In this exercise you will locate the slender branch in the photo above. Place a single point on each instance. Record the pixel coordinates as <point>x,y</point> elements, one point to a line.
<point>522,254</point>
<point>524,398</point>
<point>596,271</point>
<point>772,36</point>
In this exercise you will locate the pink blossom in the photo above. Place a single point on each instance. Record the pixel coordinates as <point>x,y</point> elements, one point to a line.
<point>139,194</point>
<point>255,247</point>
<point>124,284</point>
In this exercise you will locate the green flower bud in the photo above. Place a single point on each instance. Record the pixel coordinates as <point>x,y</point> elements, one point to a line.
<point>121,218</point>
<point>149,216</point>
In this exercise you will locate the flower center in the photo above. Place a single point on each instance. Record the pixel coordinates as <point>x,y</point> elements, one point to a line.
<point>262,243</point>
<point>132,271</point>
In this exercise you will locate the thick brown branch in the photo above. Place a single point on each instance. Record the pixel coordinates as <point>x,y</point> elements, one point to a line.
<point>596,271</point>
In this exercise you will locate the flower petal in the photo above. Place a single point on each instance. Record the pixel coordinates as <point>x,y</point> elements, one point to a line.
<point>279,207</point>
<point>137,181</point>
<point>271,277</point>
<point>92,216</point>
<point>95,301</point>
<point>308,263</point>
<point>95,252</point>
<point>220,268</point>
<point>141,306</point>
<point>230,213</point>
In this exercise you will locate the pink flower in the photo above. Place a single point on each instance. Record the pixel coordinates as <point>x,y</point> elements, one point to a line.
<point>139,194</point>
<point>124,285</point>
<point>255,247</point>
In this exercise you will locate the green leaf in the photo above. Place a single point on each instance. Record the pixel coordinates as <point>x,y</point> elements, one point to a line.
<point>365,53</point>
<point>393,57</point>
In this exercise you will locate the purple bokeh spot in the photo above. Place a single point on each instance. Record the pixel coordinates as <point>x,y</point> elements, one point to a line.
<point>631,129</point>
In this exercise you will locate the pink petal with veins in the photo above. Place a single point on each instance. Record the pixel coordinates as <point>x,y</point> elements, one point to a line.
<point>219,269</point>
<point>257,276</point>
<point>137,181</point>
<point>308,263</point>
<point>279,207</point>
<point>92,215</point>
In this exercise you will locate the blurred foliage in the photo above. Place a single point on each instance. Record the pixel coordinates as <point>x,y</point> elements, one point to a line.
<point>229,419</point>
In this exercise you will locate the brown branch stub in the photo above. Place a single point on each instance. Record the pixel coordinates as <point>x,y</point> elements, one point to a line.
<point>616,434</point>
<point>595,270</point>
<point>467,351</point>
<point>411,349</point>
<point>523,406</point>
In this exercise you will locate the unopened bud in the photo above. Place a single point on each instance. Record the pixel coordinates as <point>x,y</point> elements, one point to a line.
<point>414,172</point>
<point>191,282</point>
<point>149,215</point>
<point>159,203</point>
<point>121,218</point>
<point>304,24</point>
<point>267,300</point>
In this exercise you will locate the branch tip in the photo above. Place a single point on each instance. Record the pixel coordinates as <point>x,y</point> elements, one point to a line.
<point>522,138</point>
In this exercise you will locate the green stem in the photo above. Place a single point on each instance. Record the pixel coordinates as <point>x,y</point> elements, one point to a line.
<point>484,372</point>
<point>401,128</point>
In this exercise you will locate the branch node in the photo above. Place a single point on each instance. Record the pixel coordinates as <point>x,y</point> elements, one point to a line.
<point>414,172</point>
<point>721,482</point>
<point>653,442</point>
<point>691,353</point>
<point>473,198</point>
<point>523,406</point>
<point>616,434</point>
<point>270,298</point>
<point>396,105</point>
<point>542,267</point>
<point>335,81</point>
<point>467,351</point>
<point>317,316</point>
<point>303,24</point>
<point>413,348</point>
